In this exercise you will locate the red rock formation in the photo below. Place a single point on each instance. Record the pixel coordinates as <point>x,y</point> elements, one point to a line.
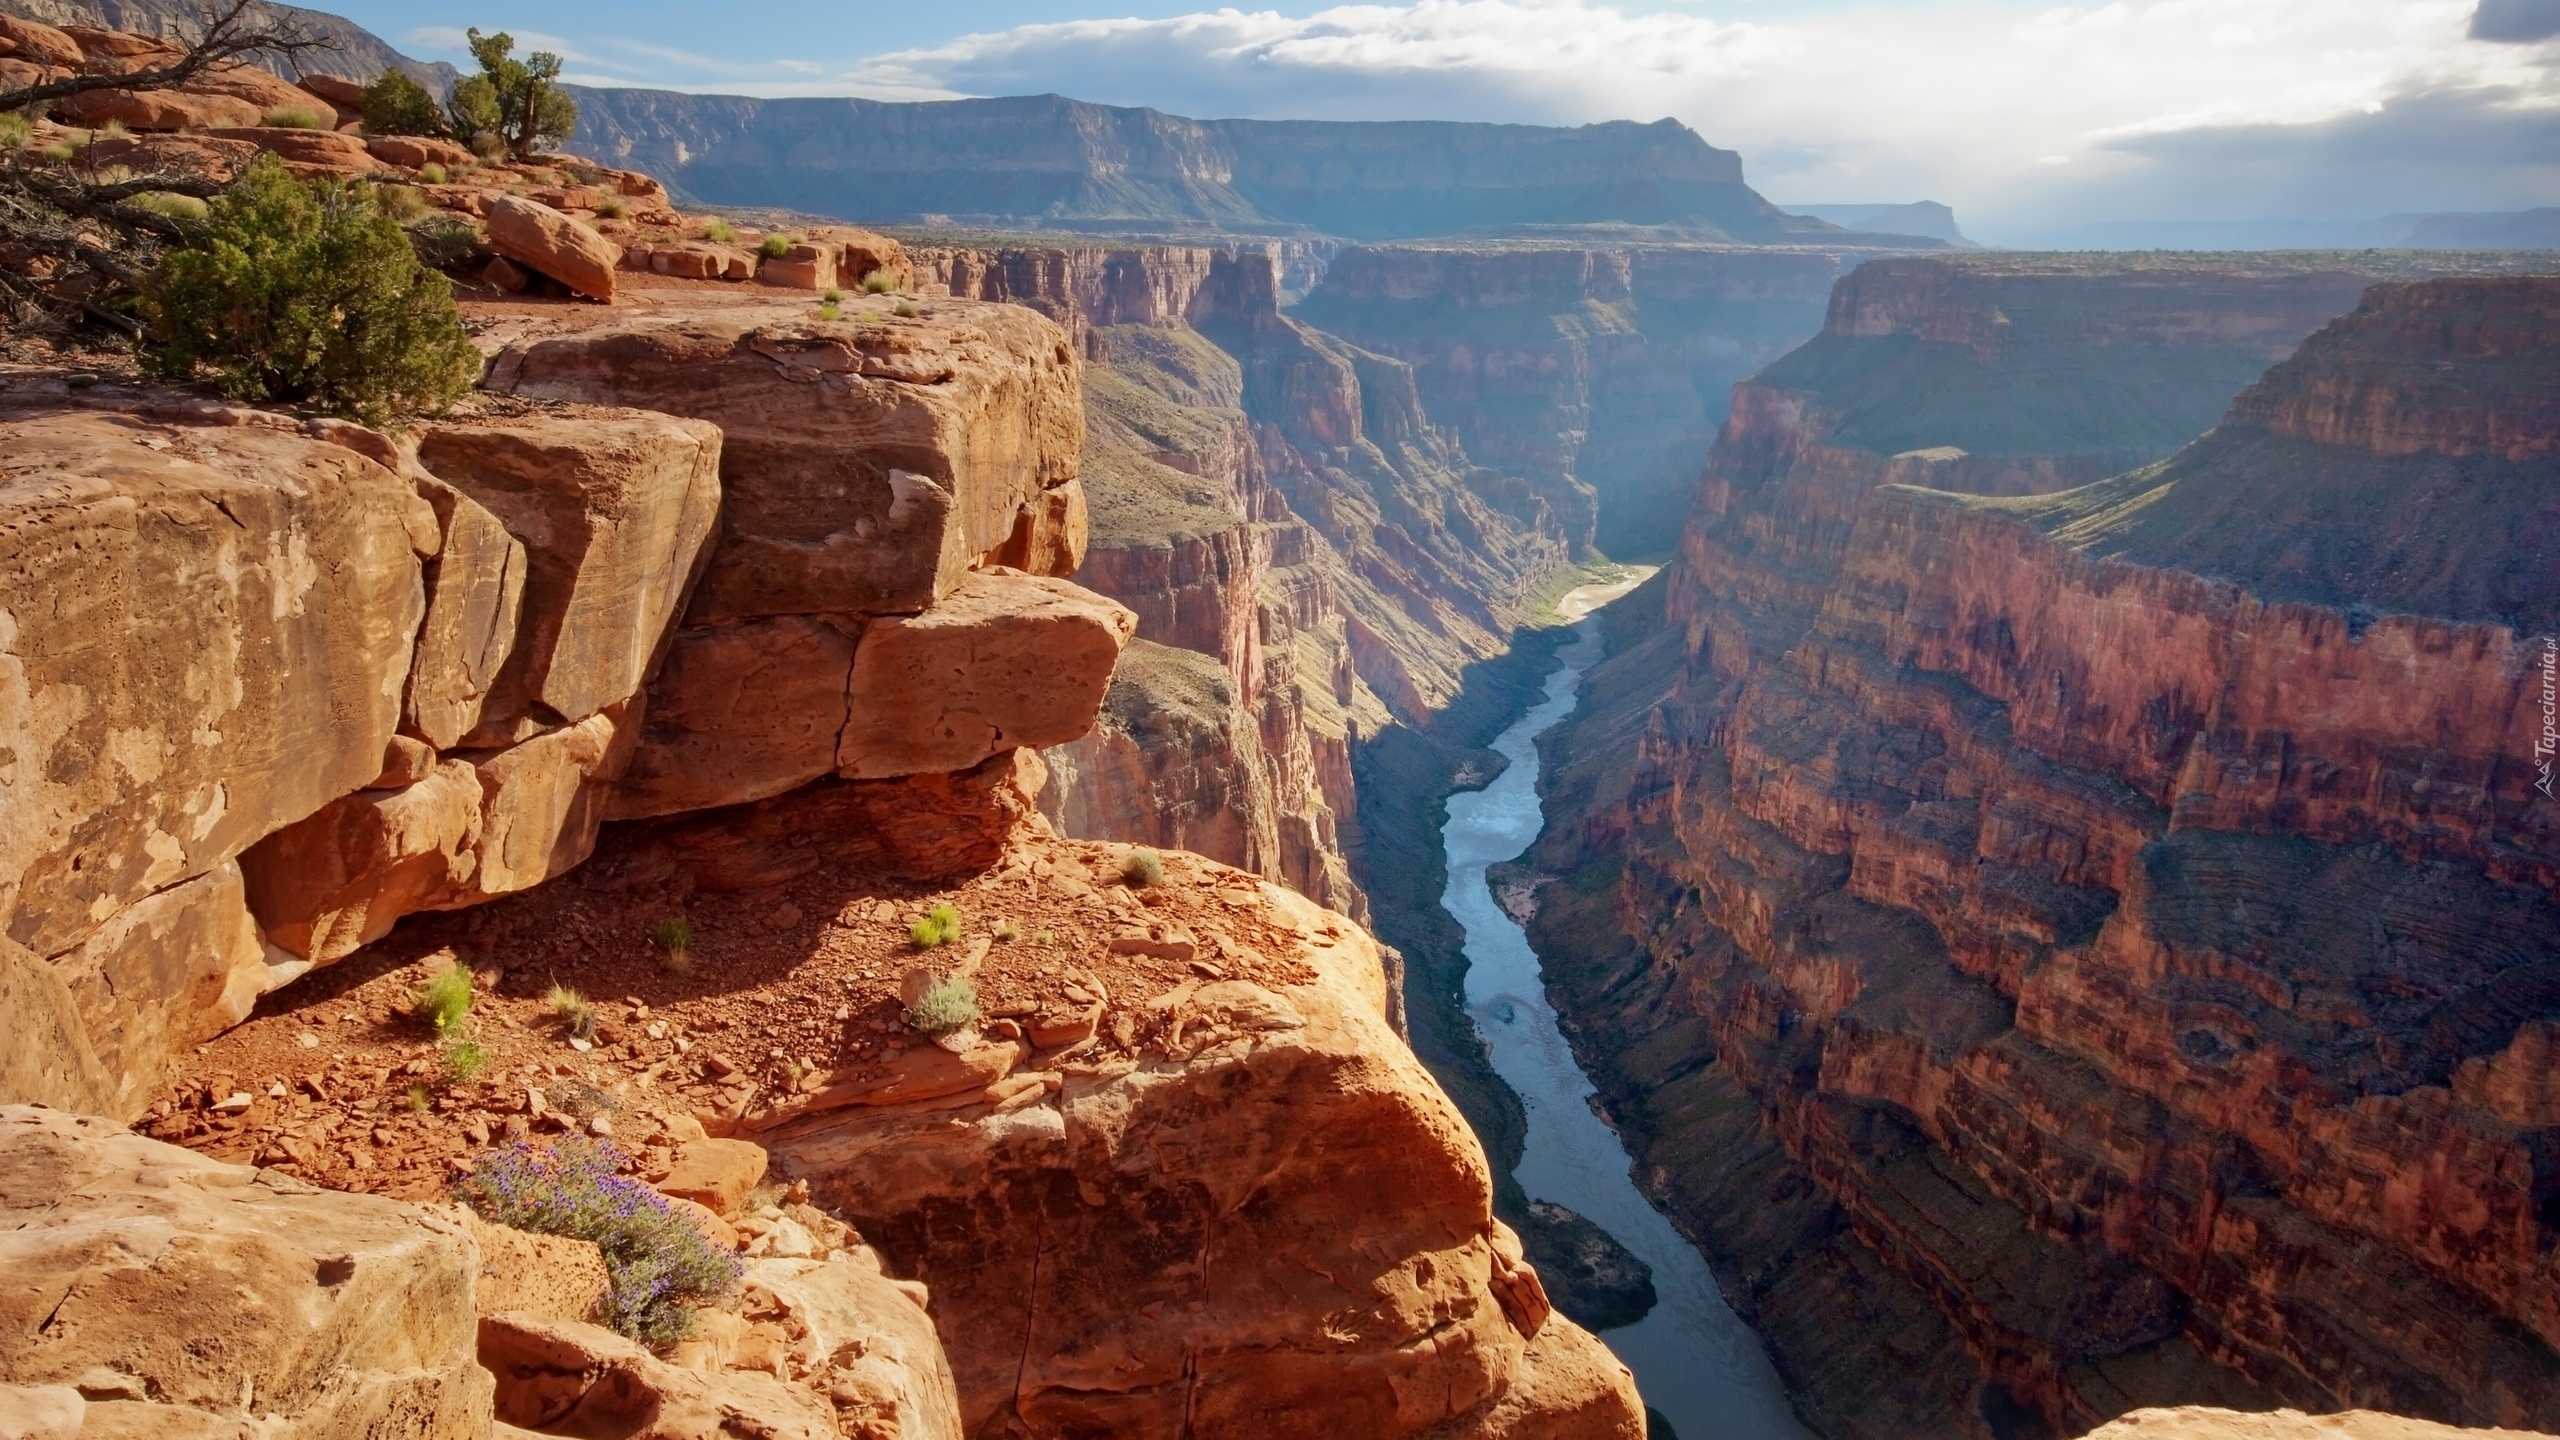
<point>2143,968</point>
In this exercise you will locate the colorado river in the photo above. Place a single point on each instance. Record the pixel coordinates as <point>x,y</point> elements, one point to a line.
<point>1694,1361</point>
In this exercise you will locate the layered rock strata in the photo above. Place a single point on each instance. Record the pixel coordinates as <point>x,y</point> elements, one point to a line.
<point>1598,374</point>
<point>1315,631</point>
<point>2133,936</point>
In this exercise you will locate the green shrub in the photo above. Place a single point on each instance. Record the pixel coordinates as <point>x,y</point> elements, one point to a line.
<point>432,173</point>
<point>831,295</point>
<point>831,311</point>
<point>308,292</point>
<point>658,1267</point>
<point>445,1000</point>
<point>464,1058</point>
<point>775,247</point>
<point>879,282</point>
<point>1142,867</point>
<point>445,242</point>
<point>944,1007</point>
<point>403,203</point>
<point>720,232</point>
<point>573,1010</point>
<point>674,936</point>
<point>394,104</point>
<point>940,926</point>
<point>176,207</point>
<point>517,103</point>
<point>294,117</point>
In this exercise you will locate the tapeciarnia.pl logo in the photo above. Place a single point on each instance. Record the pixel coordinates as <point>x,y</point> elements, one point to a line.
<point>2545,744</point>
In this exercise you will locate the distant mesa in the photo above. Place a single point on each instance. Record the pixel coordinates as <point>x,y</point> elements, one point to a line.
<point>1924,218</point>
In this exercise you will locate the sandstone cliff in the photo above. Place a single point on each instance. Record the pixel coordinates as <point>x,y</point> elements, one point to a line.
<point>1599,374</point>
<point>2105,949</point>
<point>1271,643</point>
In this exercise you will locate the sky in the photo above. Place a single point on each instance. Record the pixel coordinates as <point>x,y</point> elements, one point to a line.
<point>2034,120</point>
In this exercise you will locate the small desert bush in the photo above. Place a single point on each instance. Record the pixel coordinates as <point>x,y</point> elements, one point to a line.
<point>720,232</point>
<point>176,207</point>
<point>394,104</point>
<point>432,173</point>
<point>1142,867</point>
<point>907,310</point>
<point>775,247</point>
<point>945,1006</point>
<point>15,130</point>
<point>674,936</point>
<point>445,1000</point>
<point>831,311</point>
<point>59,154</point>
<point>404,203</point>
<point>879,282</point>
<point>489,148</point>
<point>420,1099</point>
<point>831,295</point>
<point>609,208</point>
<point>1008,931</point>
<point>940,926</point>
<point>308,292</point>
<point>573,1010</point>
<point>293,117</point>
<point>444,242</point>
<point>659,1267</point>
<point>464,1058</point>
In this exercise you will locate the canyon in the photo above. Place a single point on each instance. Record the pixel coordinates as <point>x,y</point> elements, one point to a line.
<point>2096,933</point>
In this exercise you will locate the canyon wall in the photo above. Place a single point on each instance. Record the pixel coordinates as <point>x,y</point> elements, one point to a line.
<point>2099,937</point>
<point>1310,558</point>
<point>1599,374</point>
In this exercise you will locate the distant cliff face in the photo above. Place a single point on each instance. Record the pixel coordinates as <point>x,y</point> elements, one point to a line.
<point>1037,160</point>
<point>2088,933</point>
<point>1599,374</point>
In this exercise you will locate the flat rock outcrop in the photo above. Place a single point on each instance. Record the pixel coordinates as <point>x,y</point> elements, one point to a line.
<point>154,1291</point>
<point>2093,901</point>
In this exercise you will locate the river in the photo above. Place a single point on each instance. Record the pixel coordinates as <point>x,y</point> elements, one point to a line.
<point>1693,1359</point>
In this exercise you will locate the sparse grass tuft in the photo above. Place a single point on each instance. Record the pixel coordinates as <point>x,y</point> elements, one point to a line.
<point>293,117</point>
<point>176,207</point>
<point>659,1267</point>
<point>420,1100</point>
<point>573,1010</point>
<point>720,232</point>
<point>403,203</point>
<point>879,282</point>
<point>674,935</point>
<point>940,926</point>
<point>610,208</point>
<point>775,247</point>
<point>432,173</point>
<point>831,295</point>
<point>59,154</point>
<point>1008,930</point>
<point>944,1007</point>
<point>464,1058</point>
<point>831,311</point>
<point>445,1000</point>
<point>907,310</point>
<point>1141,867</point>
<point>15,130</point>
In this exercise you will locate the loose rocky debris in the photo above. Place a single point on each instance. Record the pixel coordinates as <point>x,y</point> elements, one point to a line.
<point>789,1002</point>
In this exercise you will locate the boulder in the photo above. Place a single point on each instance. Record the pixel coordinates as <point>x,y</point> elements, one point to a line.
<point>475,602</point>
<point>341,92</point>
<point>543,239</point>
<point>863,1339</point>
<point>565,1378</point>
<point>865,469</point>
<point>324,149</point>
<point>167,973</point>
<point>701,260</point>
<point>48,1060</point>
<point>716,1174</point>
<point>226,620</point>
<point>553,1276</point>
<point>416,152</point>
<point>162,110</point>
<point>740,712</point>
<point>803,267</point>
<point>1004,660</point>
<point>471,831</point>
<point>2199,1422</point>
<point>190,1296</point>
<point>613,508</point>
<point>37,43</point>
